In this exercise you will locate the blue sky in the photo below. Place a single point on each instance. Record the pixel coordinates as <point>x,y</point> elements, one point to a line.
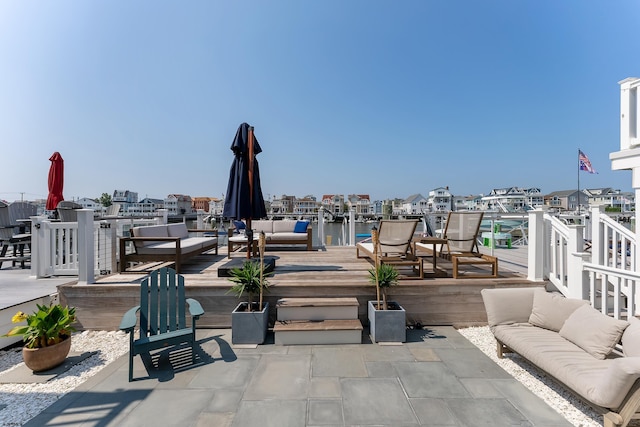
<point>371,97</point>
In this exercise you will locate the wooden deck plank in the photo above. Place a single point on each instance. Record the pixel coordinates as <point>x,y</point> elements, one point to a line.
<point>331,273</point>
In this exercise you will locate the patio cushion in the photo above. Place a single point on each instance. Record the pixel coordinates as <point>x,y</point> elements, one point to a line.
<point>149,231</point>
<point>178,230</point>
<point>286,236</point>
<point>631,338</point>
<point>264,225</point>
<point>508,306</point>
<point>551,309</point>
<point>187,246</point>
<point>594,332</point>
<point>284,226</point>
<point>301,227</point>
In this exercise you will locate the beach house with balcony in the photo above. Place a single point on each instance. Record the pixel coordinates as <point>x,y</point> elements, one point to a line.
<point>415,204</point>
<point>440,200</point>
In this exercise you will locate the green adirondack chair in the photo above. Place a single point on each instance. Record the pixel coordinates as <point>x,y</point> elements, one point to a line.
<point>162,315</point>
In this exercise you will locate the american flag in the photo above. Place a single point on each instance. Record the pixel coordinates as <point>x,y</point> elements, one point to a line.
<point>585,164</point>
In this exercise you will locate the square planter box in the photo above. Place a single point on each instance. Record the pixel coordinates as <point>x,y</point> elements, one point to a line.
<point>249,327</point>
<point>387,325</point>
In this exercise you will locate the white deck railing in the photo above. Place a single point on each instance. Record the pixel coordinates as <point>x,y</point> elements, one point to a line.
<point>601,270</point>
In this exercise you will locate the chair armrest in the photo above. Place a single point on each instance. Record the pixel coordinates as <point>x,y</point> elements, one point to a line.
<point>129,319</point>
<point>195,309</point>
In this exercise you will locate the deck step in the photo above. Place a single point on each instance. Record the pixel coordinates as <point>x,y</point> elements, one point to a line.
<point>316,309</point>
<point>340,331</point>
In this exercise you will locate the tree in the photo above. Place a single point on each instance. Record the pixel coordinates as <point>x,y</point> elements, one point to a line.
<point>105,200</point>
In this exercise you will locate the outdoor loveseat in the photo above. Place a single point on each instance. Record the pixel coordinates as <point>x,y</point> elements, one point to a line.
<point>277,232</point>
<point>169,243</point>
<point>574,343</point>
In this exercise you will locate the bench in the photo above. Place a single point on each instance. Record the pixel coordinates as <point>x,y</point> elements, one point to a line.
<point>277,232</point>
<point>170,242</point>
<point>459,260</point>
<point>572,342</point>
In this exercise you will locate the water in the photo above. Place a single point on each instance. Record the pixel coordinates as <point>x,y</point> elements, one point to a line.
<point>333,231</point>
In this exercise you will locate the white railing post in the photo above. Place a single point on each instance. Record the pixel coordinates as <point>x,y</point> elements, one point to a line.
<point>535,269</point>
<point>164,216</point>
<point>321,227</point>
<point>352,227</point>
<point>86,252</point>
<point>200,220</point>
<point>37,246</point>
<point>597,236</point>
<point>577,281</point>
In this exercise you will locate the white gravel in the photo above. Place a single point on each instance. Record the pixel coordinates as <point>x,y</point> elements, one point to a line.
<point>556,396</point>
<point>21,402</point>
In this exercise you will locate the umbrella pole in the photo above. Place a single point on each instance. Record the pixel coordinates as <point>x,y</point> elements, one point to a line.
<point>250,175</point>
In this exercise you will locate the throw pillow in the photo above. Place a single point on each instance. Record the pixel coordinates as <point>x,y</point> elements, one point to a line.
<point>631,338</point>
<point>592,331</point>
<point>551,309</point>
<point>239,225</point>
<point>301,227</point>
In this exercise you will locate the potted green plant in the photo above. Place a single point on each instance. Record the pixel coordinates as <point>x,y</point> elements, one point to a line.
<point>387,319</point>
<point>249,320</point>
<point>47,335</point>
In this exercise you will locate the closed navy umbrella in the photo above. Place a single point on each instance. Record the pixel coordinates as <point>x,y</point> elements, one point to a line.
<point>244,198</point>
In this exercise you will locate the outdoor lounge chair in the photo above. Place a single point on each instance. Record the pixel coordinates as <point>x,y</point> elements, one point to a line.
<point>393,246</point>
<point>67,211</point>
<point>9,237</point>
<point>461,234</point>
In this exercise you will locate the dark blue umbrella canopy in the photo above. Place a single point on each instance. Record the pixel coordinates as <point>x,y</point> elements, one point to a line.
<point>244,194</point>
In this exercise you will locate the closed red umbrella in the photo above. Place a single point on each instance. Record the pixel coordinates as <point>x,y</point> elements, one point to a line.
<point>56,181</point>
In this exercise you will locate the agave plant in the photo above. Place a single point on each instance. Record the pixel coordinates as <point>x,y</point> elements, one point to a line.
<point>248,279</point>
<point>383,276</point>
<point>47,326</point>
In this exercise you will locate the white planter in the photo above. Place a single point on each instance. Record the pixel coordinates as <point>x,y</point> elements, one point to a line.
<point>387,325</point>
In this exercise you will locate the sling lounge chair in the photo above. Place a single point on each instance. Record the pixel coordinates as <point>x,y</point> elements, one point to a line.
<point>393,246</point>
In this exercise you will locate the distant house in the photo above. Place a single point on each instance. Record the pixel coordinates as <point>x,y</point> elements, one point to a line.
<point>466,203</point>
<point>145,207</point>
<point>610,197</point>
<point>334,203</point>
<point>360,203</point>
<point>201,203</point>
<point>306,206</point>
<point>178,204</point>
<point>440,200</point>
<point>512,199</point>
<point>415,204</point>
<point>567,200</point>
<point>88,203</point>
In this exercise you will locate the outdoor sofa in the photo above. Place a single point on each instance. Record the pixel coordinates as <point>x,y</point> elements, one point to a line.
<point>572,342</point>
<point>277,232</point>
<point>169,243</point>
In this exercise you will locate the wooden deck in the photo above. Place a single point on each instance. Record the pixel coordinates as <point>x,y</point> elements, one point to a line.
<point>437,299</point>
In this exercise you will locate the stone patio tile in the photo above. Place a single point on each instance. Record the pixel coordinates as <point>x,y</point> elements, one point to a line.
<point>381,370</point>
<point>217,419</point>
<point>534,408</point>
<point>225,400</point>
<point>271,413</point>
<point>179,407</point>
<point>386,353</point>
<point>223,375</point>
<point>430,379</point>
<point>427,337</point>
<point>375,401</point>
<point>487,412</point>
<point>336,362</point>
<point>433,412</point>
<point>325,412</point>
<point>483,388</point>
<point>471,363</point>
<point>280,377</point>
<point>325,387</point>
<point>424,354</point>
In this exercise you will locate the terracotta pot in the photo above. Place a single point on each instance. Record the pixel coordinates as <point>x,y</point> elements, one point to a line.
<point>43,359</point>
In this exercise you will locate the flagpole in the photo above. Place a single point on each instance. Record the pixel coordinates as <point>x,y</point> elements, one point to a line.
<point>578,181</point>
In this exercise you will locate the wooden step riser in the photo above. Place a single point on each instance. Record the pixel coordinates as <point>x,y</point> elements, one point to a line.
<point>317,313</point>
<point>318,337</point>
